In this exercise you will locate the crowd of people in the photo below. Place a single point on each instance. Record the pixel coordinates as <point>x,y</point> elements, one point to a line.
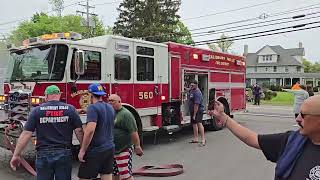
<point>107,138</point>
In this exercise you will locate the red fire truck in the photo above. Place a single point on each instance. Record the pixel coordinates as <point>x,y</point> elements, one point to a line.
<point>151,78</point>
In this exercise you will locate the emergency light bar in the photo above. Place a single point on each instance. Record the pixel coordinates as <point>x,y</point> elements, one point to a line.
<point>68,35</point>
<point>45,37</point>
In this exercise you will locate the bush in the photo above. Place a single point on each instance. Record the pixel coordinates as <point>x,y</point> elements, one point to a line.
<point>275,88</point>
<point>315,89</point>
<point>273,94</point>
<point>268,94</point>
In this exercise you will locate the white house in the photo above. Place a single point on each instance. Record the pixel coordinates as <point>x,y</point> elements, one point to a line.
<point>274,65</point>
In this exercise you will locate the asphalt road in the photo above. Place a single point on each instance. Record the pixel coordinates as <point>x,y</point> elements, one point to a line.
<point>224,156</point>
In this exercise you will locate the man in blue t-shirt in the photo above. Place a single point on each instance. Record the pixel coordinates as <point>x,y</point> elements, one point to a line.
<point>54,122</point>
<point>196,109</point>
<point>97,150</point>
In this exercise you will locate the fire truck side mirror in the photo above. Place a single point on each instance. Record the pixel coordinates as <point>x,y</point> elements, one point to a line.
<point>79,62</point>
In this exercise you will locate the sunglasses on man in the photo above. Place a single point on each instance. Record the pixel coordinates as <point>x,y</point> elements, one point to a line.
<point>304,114</point>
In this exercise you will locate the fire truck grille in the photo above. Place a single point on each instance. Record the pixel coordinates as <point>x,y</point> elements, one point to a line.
<point>18,106</point>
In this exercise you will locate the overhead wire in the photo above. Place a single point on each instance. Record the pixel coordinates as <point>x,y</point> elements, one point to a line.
<point>255,33</point>
<point>231,10</point>
<point>263,16</point>
<point>250,37</point>
<point>239,28</point>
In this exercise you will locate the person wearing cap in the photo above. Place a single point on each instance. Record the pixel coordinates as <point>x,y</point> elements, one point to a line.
<point>296,153</point>
<point>125,136</point>
<point>97,149</point>
<point>54,122</point>
<point>196,109</point>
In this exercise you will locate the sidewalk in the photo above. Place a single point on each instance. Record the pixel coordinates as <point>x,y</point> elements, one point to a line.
<point>249,106</point>
<point>269,110</point>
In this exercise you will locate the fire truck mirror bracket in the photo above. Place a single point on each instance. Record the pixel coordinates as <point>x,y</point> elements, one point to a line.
<point>74,88</point>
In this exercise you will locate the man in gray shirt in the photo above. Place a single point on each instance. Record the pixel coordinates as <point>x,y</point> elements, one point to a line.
<point>299,97</point>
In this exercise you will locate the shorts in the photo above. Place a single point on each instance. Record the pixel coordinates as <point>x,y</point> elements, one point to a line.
<point>122,165</point>
<point>96,163</point>
<point>198,118</point>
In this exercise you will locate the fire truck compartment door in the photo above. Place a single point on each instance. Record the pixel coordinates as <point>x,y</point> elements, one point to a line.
<point>175,77</point>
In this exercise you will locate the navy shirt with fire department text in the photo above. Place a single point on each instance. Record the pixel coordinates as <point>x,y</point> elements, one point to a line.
<point>54,122</point>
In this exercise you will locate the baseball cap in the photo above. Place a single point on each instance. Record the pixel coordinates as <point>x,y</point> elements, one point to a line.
<point>53,89</point>
<point>96,89</point>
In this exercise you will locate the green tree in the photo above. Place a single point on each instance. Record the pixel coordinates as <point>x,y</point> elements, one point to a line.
<point>152,20</point>
<point>310,67</point>
<point>57,6</point>
<point>223,44</point>
<point>182,34</point>
<point>307,65</point>
<point>315,67</point>
<point>41,24</point>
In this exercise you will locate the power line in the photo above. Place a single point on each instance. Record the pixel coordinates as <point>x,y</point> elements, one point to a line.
<point>270,34</point>
<point>262,16</point>
<point>199,34</point>
<point>22,19</point>
<point>231,10</point>
<point>233,29</point>
<point>260,32</point>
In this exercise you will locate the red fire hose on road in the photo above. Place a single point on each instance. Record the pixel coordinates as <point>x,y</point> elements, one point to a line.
<point>160,171</point>
<point>23,162</point>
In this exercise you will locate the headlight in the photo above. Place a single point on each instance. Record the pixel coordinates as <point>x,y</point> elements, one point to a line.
<point>2,98</point>
<point>36,100</point>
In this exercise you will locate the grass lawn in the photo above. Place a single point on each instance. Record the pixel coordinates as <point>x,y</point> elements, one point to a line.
<point>282,98</point>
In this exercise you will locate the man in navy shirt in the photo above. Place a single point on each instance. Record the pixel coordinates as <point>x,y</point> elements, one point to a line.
<point>97,150</point>
<point>54,122</point>
<point>196,109</point>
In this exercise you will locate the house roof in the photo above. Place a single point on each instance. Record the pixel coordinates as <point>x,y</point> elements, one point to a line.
<point>285,57</point>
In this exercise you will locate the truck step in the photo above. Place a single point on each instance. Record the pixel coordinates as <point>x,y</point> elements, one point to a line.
<point>171,128</point>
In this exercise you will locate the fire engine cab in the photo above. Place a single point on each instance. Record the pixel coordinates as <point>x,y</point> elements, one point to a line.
<point>151,78</point>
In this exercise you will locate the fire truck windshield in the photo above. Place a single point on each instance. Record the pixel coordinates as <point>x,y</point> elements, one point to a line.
<point>41,63</point>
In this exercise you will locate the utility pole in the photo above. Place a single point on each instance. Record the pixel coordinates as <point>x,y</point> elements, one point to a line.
<point>87,13</point>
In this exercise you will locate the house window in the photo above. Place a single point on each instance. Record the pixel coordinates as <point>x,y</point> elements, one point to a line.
<point>92,66</point>
<point>287,69</point>
<point>298,69</point>
<point>274,68</point>
<point>266,69</point>
<point>255,69</point>
<point>122,67</point>
<point>266,58</point>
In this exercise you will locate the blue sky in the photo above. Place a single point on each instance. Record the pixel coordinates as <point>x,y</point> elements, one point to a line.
<point>19,9</point>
